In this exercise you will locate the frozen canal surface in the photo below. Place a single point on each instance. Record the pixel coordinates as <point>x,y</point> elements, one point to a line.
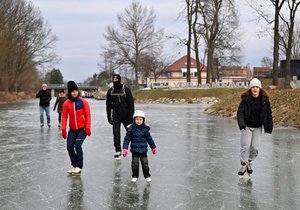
<point>195,166</point>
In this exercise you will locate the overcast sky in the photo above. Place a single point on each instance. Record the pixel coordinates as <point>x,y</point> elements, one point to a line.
<point>80,24</point>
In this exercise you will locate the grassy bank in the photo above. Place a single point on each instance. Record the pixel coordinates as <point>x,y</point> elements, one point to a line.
<point>11,97</point>
<point>285,103</point>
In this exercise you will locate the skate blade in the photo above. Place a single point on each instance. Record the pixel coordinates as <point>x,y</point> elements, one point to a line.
<point>74,174</point>
<point>245,176</point>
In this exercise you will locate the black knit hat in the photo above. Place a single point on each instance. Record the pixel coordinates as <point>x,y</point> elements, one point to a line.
<point>72,86</point>
<point>117,76</point>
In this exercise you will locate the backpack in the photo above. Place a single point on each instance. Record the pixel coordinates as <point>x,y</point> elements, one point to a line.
<point>122,94</point>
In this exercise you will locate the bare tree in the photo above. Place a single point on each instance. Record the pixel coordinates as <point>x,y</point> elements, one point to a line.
<point>266,61</point>
<point>218,26</point>
<point>259,8</point>
<point>296,42</point>
<point>290,24</point>
<point>26,40</point>
<point>134,35</point>
<point>189,15</point>
<point>196,37</point>
<point>154,65</point>
<point>277,6</point>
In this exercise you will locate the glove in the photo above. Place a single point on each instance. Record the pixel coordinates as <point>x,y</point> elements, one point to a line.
<point>88,132</point>
<point>154,151</point>
<point>64,134</point>
<point>110,121</point>
<point>243,127</point>
<point>125,152</point>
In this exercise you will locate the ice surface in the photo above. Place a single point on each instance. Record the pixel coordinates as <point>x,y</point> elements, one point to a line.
<point>195,166</point>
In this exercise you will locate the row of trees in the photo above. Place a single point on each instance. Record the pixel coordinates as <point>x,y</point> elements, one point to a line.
<point>215,24</point>
<point>212,30</point>
<point>285,35</point>
<point>134,45</point>
<point>26,41</point>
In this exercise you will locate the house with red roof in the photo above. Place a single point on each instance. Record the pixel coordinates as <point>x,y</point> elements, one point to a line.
<point>177,73</point>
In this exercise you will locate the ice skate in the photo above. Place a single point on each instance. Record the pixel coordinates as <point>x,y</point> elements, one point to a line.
<point>249,168</point>
<point>75,171</point>
<point>134,179</point>
<point>117,156</point>
<point>71,170</point>
<point>49,126</point>
<point>148,179</point>
<point>242,170</point>
<point>42,125</point>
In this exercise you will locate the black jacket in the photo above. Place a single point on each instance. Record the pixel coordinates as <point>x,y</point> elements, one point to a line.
<point>243,113</point>
<point>45,97</point>
<point>120,104</point>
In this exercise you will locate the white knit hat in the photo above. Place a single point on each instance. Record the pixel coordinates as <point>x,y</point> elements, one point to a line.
<point>255,82</point>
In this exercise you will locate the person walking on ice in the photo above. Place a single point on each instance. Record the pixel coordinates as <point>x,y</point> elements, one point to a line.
<point>77,110</point>
<point>254,116</point>
<point>138,136</point>
<point>59,104</point>
<point>45,98</point>
<point>119,110</point>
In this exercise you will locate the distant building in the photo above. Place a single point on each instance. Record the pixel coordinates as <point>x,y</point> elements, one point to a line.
<point>262,72</point>
<point>295,68</point>
<point>234,73</point>
<point>177,73</point>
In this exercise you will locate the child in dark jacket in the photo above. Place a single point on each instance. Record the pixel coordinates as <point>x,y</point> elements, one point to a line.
<point>139,136</point>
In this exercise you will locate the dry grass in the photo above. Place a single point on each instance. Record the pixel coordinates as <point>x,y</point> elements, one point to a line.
<point>6,97</point>
<point>285,103</point>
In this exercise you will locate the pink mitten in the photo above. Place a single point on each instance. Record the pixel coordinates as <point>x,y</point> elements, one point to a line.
<point>154,151</point>
<point>125,152</point>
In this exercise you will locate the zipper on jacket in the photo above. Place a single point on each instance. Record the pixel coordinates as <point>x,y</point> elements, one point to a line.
<point>75,116</point>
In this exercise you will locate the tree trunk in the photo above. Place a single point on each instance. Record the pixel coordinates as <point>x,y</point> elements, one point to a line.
<point>278,6</point>
<point>188,44</point>
<point>196,44</point>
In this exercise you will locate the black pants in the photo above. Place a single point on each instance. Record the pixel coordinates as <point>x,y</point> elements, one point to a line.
<point>59,117</point>
<point>117,132</point>
<point>135,164</point>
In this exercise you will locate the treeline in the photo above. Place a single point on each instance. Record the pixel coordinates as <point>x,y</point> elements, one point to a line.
<point>26,41</point>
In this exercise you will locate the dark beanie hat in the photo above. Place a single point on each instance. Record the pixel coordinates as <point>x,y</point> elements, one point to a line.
<point>118,76</point>
<point>72,86</point>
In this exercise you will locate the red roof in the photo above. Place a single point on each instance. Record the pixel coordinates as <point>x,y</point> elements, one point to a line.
<point>181,63</point>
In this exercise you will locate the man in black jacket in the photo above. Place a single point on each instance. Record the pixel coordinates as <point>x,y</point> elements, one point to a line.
<point>119,110</point>
<point>45,98</point>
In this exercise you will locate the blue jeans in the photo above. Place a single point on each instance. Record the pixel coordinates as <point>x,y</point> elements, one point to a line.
<point>74,146</point>
<point>47,110</point>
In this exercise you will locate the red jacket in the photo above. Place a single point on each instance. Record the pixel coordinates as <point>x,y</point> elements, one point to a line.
<point>79,113</point>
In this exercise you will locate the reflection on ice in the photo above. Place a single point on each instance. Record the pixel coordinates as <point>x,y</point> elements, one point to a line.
<point>195,166</point>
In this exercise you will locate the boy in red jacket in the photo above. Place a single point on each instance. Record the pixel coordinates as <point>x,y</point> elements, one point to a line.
<point>77,110</point>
